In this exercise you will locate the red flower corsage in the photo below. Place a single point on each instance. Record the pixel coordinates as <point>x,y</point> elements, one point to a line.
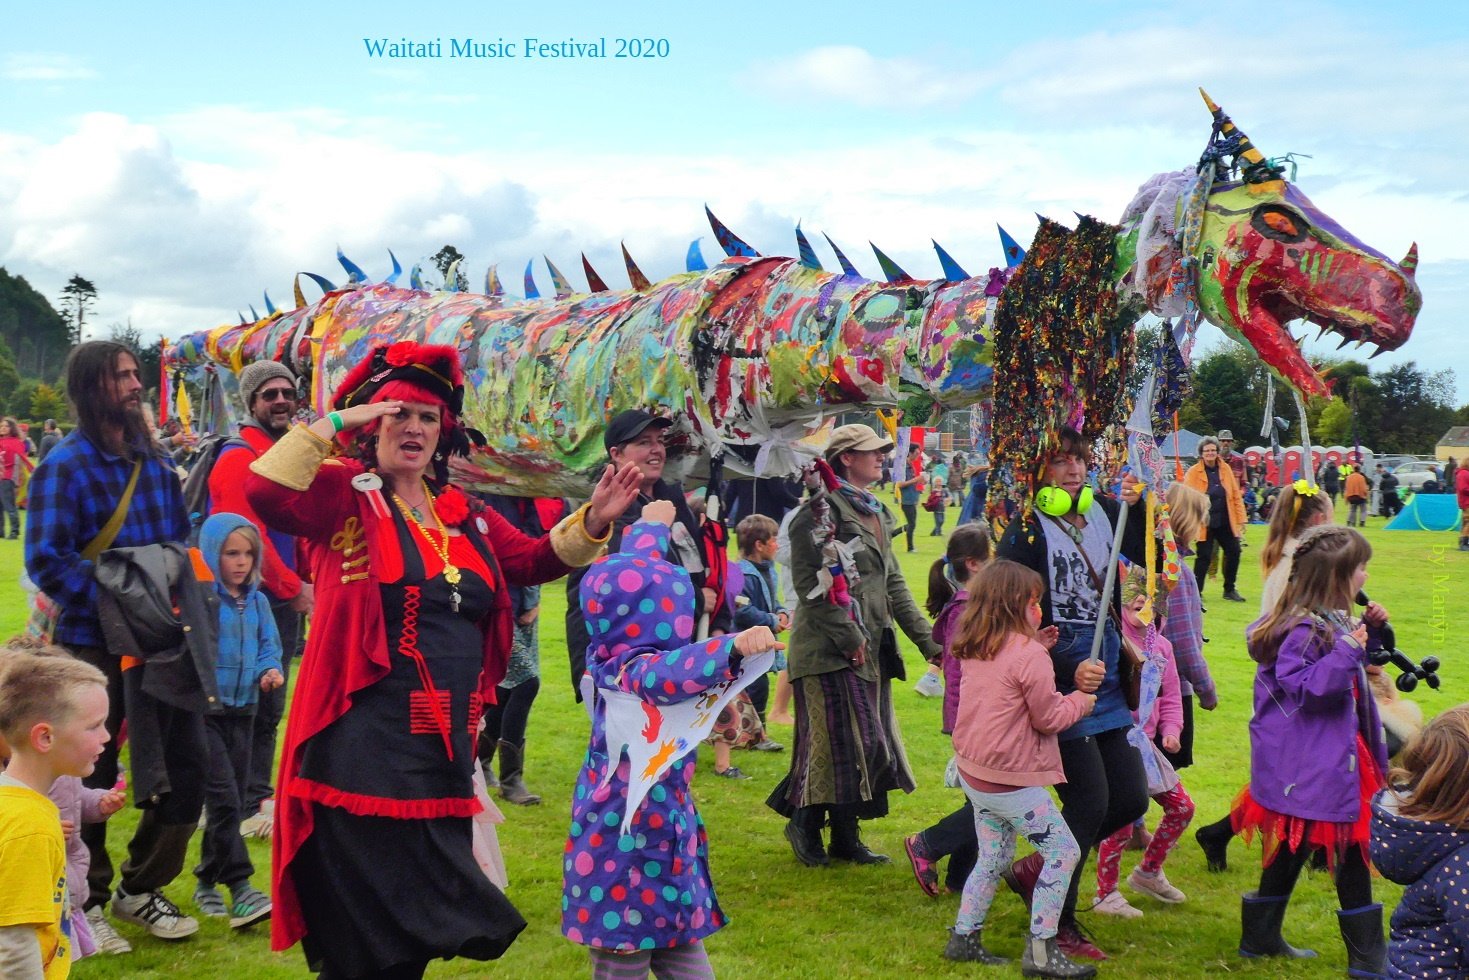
<point>401,353</point>
<point>452,506</point>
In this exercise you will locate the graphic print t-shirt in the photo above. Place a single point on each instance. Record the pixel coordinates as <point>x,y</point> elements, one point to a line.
<point>1075,597</point>
<point>33,872</point>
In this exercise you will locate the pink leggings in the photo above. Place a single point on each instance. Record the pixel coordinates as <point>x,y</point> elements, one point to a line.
<point>1178,810</point>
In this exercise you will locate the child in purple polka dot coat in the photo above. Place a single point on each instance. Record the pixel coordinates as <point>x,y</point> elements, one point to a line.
<point>643,900</point>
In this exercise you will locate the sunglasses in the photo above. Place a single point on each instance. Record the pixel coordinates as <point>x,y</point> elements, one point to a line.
<point>276,394</point>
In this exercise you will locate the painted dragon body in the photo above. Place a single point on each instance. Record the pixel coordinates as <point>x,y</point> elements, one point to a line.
<point>756,349</point>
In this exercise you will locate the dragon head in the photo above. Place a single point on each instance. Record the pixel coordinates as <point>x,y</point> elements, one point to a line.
<point>1268,256</point>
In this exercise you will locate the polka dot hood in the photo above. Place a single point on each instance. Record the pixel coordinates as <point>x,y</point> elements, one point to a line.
<point>636,597</point>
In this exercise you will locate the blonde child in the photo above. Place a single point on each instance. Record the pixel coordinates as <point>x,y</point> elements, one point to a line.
<point>1005,741</point>
<point>1159,716</point>
<point>1316,749</point>
<point>53,721</point>
<point>1420,839</point>
<point>249,662</point>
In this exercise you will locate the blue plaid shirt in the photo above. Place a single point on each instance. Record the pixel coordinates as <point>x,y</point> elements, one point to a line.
<point>73,492</point>
<point>1183,626</point>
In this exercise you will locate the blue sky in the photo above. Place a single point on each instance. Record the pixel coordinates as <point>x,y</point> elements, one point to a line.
<point>187,160</point>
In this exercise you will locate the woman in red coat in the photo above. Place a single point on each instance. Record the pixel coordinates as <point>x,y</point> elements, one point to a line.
<point>373,868</point>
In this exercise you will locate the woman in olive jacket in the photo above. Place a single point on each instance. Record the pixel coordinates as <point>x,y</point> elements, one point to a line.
<point>848,754</point>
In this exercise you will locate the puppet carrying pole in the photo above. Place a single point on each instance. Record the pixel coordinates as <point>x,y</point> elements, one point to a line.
<point>1108,583</point>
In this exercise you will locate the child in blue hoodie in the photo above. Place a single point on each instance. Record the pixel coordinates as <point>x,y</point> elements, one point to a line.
<point>249,662</point>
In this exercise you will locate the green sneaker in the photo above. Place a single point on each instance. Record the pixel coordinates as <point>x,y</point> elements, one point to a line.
<point>251,906</point>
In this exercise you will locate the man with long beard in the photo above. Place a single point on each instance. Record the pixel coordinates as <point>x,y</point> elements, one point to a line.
<point>269,392</point>
<point>109,485</point>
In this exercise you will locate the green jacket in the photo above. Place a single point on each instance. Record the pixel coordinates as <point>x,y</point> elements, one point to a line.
<point>823,635</point>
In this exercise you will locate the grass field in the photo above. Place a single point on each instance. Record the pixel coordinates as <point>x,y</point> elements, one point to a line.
<point>790,921</point>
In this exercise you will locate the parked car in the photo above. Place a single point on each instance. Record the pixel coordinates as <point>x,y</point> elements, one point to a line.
<point>1412,476</point>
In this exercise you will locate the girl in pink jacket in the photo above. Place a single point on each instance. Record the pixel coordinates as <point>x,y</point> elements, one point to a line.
<point>1159,718</point>
<point>1005,741</point>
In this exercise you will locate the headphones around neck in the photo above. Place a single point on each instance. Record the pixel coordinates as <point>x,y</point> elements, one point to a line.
<point>1057,502</point>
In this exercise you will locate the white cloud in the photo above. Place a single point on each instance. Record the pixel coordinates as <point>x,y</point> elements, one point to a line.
<point>854,74</point>
<point>45,67</point>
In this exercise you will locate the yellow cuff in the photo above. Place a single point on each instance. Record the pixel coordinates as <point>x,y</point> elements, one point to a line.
<point>293,461</point>
<point>573,544</point>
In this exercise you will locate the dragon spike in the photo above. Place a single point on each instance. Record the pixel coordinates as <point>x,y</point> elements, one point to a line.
<point>634,275</point>
<point>1409,265</point>
<point>952,270</point>
<point>890,269</point>
<point>392,279</point>
<point>492,282</point>
<point>326,284</point>
<point>354,272</point>
<point>1380,350</point>
<point>451,277</point>
<point>731,243</point>
<point>1014,254</point>
<point>270,309</point>
<point>560,283</point>
<point>847,268</point>
<point>243,321</point>
<point>1246,150</point>
<point>804,249</point>
<point>531,292</point>
<point>296,293</point>
<point>415,277</point>
<point>693,260</point>
<point>254,317</point>
<point>594,281</point>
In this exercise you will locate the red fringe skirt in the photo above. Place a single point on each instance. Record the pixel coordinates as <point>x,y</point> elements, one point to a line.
<point>1275,829</point>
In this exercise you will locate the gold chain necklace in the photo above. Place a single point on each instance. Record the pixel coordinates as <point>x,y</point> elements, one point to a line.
<point>441,548</point>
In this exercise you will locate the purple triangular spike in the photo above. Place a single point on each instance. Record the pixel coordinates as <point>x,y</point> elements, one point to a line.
<point>732,244</point>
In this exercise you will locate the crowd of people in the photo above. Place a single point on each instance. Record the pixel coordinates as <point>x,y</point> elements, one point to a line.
<point>337,553</point>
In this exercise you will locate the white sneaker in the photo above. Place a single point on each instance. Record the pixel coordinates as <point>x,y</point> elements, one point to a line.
<point>155,913</point>
<point>262,824</point>
<point>1156,885</point>
<point>1115,904</point>
<point>930,685</point>
<point>107,938</point>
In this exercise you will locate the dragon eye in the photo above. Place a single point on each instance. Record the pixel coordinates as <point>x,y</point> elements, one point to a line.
<point>1279,224</point>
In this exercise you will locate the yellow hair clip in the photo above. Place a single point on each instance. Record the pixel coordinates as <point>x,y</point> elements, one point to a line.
<point>1305,489</point>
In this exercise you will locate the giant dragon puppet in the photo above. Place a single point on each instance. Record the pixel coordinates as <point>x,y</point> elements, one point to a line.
<point>758,349</point>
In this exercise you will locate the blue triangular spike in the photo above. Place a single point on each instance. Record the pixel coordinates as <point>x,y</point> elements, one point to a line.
<point>254,317</point>
<point>354,273</point>
<point>392,279</point>
<point>322,281</point>
<point>693,261</point>
<point>1014,254</point>
<point>269,306</point>
<point>415,277</point>
<point>731,243</point>
<point>952,271</point>
<point>807,253</point>
<point>847,268</point>
<point>531,292</point>
<point>890,269</point>
<point>242,318</point>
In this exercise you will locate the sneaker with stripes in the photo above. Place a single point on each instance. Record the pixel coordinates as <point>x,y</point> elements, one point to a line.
<point>155,913</point>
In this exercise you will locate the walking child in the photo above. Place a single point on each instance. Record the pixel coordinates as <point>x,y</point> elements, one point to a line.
<point>1005,740</point>
<point>1316,749</point>
<point>1159,716</point>
<point>755,536</point>
<point>249,663</point>
<point>53,722</point>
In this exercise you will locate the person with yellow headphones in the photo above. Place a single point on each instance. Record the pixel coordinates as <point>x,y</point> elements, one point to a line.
<point>1067,539</point>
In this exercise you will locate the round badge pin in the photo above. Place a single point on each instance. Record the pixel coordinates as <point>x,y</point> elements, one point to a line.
<point>484,528</point>
<point>367,482</point>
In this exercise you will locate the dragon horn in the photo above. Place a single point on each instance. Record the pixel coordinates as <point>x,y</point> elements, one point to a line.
<point>1247,150</point>
<point>952,270</point>
<point>807,253</point>
<point>269,306</point>
<point>731,243</point>
<point>847,268</point>
<point>531,292</point>
<point>254,317</point>
<point>322,281</point>
<point>415,276</point>
<point>693,260</point>
<point>492,283</point>
<point>561,283</point>
<point>296,291</point>
<point>1014,254</point>
<point>1409,265</point>
<point>451,277</point>
<point>594,281</point>
<point>635,275</point>
<point>392,279</point>
<point>243,321</point>
<point>890,269</point>
<point>354,273</point>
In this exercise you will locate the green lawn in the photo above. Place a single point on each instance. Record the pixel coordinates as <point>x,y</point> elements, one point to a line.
<point>790,921</point>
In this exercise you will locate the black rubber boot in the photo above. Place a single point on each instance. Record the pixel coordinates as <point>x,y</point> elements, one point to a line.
<point>803,830</point>
<point>1214,839</point>
<point>512,765</point>
<point>1361,930</point>
<point>1260,921</point>
<point>846,841</point>
<point>1043,958</point>
<point>487,746</point>
<point>969,948</point>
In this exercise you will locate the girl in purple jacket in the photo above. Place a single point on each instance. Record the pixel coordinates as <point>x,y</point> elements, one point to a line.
<point>1317,754</point>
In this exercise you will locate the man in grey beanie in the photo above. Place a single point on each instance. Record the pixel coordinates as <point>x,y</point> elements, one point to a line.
<point>269,391</point>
